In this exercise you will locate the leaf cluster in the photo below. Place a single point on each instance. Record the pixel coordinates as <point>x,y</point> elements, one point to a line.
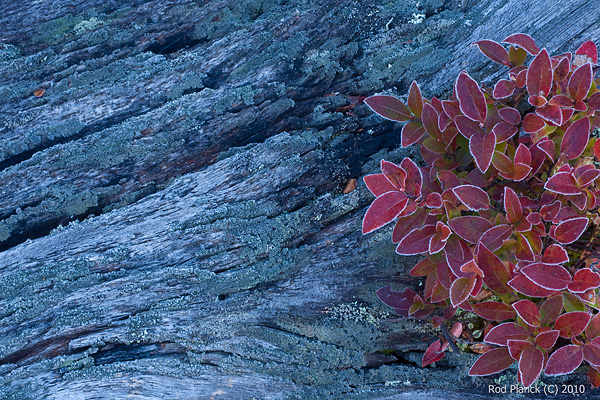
<point>505,211</point>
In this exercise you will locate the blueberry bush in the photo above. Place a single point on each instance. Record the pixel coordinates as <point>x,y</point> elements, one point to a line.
<point>505,211</point>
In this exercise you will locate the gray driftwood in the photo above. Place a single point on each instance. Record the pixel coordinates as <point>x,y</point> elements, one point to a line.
<point>172,221</point>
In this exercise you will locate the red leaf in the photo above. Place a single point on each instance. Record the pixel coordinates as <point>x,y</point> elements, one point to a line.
<point>524,250</point>
<point>460,290</point>
<point>570,230</point>
<point>587,177</point>
<point>547,146</point>
<point>482,149</point>
<point>589,50</point>
<point>524,285</point>
<point>417,241</point>
<point>493,237</point>
<point>423,268</point>
<point>456,329</point>
<point>512,205</point>
<point>555,254</point>
<point>594,101</point>
<point>528,312</point>
<point>455,249</point>
<point>583,280</point>
<point>469,227</point>
<point>470,98</point>
<point>576,138</point>
<point>548,276</point>
<point>567,114</point>
<point>494,51</point>
<point>516,347</point>
<point>580,82</point>
<point>388,107</point>
<point>455,265</point>
<point>523,40</point>
<point>593,329</point>
<point>535,240</point>
<point>383,210</point>
<point>378,184</point>
<point>448,179</point>
<point>521,78</point>
<point>581,200</point>
<point>552,114</point>
<point>589,296</point>
<point>593,377</point>
<point>537,101</point>
<point>496,273</point>
<point>433,145</point>
<point>572,324</point>
<point>578,106</point>
<point>504,332</point>
<point>591,354</point>
<point>437,105</point>
<point>394,174</point>
<point>493,310</point>
<point>564,360</point>
<point>467,127</point>
<point>533,123</point>
<point>451,108</point>
<point>415,99</point>
<point>503,89</point>
<point>550,211</point>
<point>583,168</point>
<point>502,163</point>
<point>561,71</point>
<point>551,309</point>
<point>433,353</point>
<point>397,300</point>
<point>504,131</point>
<point>561,100</point>
<point>473,197</point>
<point>411,133</point>
<point>562,183</point>
<point>547,339</point>
<point>430,121</point>
<point>444,275</point>
<point>439,293</point>
<point>471,267</point>
<point>531,364</point>
<point>434,200</point>
<point>414,178</point>
<point>408,223</point>
<point>535,218</point>
<point>436,244</point>
<point>539,75</point>
<point>449,132</point>
<point>474,293</point>
<point>477,178</point>
<point>510,115</point>
<point>491,362</point>
<point>523,155</point>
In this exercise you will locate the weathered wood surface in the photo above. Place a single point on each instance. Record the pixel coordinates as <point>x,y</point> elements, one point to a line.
<point>172,221</point>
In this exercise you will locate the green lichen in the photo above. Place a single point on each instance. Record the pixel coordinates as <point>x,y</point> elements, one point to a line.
<point>357,313</point>
<point>87,25</point>
<point>54,31</point>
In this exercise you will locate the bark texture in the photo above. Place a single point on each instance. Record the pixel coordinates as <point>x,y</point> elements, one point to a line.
<point>172,216</point>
